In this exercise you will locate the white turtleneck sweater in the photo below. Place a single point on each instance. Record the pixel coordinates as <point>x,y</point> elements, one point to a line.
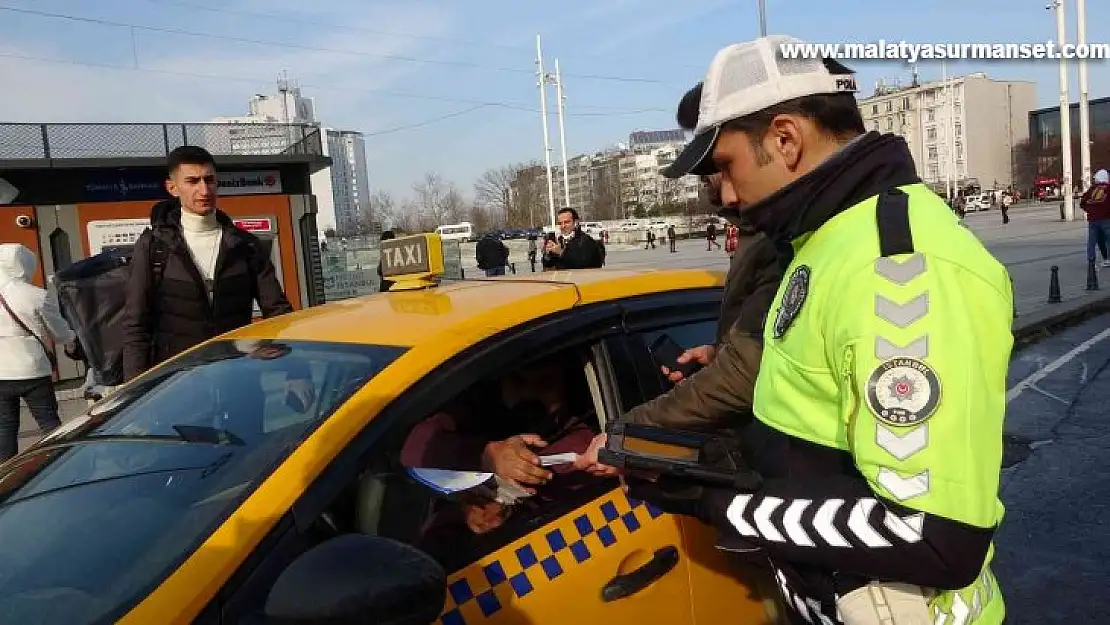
<point>202,237</point>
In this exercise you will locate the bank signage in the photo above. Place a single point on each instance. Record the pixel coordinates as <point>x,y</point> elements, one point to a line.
<point>249,182</point>
<point>125,186</point>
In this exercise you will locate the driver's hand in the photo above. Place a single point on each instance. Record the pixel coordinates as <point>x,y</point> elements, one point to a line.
<point>703,355</point>
<point>303,389</point>
<point>486,517</point>
<point>512,459</point>
<point>553,248</point>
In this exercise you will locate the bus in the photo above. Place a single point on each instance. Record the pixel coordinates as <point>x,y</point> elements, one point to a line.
<point>456,232</point>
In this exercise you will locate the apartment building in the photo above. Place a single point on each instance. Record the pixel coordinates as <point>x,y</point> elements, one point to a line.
<point>962,130</point>
<point>343,190</point>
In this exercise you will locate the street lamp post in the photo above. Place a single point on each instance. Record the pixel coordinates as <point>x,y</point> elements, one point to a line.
<point>762,18</point>
<point>1084,104</point>
<point>1065,113</point>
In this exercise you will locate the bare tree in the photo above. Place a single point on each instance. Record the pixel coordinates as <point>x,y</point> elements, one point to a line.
<point>382,213</point>
<point>480,218</point>
<point>430,191</point>
<point>494,191</point>
<point>453,207</point>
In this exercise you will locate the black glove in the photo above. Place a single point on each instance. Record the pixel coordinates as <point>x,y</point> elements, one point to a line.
<point>669,494</point>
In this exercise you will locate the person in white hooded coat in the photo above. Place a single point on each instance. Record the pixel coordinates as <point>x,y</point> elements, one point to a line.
<point>26,371</point>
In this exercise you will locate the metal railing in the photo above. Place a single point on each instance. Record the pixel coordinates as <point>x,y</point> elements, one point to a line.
<point>84,141</point>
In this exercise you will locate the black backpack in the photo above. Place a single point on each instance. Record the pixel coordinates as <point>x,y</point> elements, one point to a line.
<point>92,295</point>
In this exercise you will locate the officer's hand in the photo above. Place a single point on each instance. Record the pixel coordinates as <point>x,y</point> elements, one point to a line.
<point>512,459</point>
<point>702,355</point>
<point>669,494</point>
<point>588,462</point>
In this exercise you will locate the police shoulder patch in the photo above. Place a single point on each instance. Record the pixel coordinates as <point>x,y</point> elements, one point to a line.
<point>903,391</point>
<point>792,299</point>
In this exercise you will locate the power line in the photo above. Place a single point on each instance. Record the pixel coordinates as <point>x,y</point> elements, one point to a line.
<point>330,24</point>
<point>294,46</point>
<point>476,104</point>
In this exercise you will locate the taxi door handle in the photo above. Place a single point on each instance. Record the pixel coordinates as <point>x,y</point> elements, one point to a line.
<point>621,586</point>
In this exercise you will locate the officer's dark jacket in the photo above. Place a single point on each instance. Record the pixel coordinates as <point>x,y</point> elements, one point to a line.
<point>164,319</point>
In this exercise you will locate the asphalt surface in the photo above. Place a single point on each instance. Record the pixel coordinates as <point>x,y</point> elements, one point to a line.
<point>1053,549</point>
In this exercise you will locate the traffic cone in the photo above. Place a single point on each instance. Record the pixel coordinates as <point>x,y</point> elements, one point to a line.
<point>1054,286</point>
<point>1092,277</point>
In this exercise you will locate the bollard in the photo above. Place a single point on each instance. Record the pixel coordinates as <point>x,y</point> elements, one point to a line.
<point>1054,286</point>
<point>1092,277</point>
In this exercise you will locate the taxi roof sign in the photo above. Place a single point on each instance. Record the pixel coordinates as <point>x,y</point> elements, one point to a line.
<point>412,262</point>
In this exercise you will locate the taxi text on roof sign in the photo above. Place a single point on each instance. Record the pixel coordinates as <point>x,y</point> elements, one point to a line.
<point>412,262</point>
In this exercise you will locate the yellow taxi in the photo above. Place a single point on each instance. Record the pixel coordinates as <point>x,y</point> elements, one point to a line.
<point>261,477</point>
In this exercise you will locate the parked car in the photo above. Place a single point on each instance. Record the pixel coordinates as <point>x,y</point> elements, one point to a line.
<point>257,476</point>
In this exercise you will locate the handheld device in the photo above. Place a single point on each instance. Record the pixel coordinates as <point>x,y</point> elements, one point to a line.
<point>680,454</point>
<point>665,351</point>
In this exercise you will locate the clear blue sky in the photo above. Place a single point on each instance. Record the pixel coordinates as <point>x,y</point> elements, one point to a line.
<point>625,63</point>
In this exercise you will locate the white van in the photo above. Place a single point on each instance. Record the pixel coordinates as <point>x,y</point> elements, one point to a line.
<point>456,232</point>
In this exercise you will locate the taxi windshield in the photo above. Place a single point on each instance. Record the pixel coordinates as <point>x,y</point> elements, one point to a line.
<point>96,515</point>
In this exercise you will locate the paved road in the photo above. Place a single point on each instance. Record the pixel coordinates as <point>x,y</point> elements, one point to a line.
<point>1053,548</point>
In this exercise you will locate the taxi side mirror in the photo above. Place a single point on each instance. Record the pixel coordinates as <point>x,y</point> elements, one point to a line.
<point>356,578</point>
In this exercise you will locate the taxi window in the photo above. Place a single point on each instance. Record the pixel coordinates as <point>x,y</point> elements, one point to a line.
<point>100,512</point>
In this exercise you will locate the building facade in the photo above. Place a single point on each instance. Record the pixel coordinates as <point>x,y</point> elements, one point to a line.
<point>342,191</point>
<point>1044,124</point>
<point>963,130</point>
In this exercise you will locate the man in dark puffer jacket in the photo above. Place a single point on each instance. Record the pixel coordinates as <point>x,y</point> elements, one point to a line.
<point>210,274</point>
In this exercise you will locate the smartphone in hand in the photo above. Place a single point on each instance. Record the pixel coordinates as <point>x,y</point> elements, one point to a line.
<point>665,351</point>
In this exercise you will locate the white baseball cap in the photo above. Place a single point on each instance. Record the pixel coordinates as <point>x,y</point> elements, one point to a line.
<point>748,77</point>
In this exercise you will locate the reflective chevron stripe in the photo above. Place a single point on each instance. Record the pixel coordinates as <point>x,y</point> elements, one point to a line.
<point>865,521</point>
<point>808,608</point>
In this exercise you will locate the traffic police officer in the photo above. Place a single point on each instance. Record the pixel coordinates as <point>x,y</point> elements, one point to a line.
<point>881,391</point>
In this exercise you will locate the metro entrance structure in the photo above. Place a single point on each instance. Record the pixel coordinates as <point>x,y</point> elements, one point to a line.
<point>69,191</point>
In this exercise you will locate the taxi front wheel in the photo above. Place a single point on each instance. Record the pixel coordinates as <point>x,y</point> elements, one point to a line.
<point>621,586</point>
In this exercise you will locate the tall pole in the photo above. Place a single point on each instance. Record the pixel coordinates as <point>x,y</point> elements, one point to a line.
<point>1084,102</point>
<point>947,130</point>
<point>762,18</point>
<point>546,141</point>
<point>562,98</point>
<point>1065,114</point>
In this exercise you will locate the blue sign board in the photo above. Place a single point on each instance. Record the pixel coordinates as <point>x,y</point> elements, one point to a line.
<point>125,186</point>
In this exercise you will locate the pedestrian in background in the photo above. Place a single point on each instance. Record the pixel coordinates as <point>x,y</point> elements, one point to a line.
<point>492,255</point>
<point>711,236</point>
<point>27,314</point>
<point>532,251</point>
<point>1096,203</point>
<point>1005,205</point>
<point>211,275</point>
<point>672,235</point>
<point>570,247</point>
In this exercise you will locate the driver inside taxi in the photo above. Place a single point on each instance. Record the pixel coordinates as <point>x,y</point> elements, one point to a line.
<point>534,411</point>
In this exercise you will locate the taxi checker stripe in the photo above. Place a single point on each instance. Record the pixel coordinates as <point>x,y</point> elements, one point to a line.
<point>483,589</point>
<point>863,519</point>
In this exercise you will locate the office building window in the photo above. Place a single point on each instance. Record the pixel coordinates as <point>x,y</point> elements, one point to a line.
<point>931,115</point>
<point>889,106</point>
<point>874,109</point>
<point>931,134</point>
<point>906,103</point>
<point>932,153</point>
<point>959,129</point>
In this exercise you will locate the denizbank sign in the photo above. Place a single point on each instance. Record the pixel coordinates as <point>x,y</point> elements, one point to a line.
<point>248,182</point>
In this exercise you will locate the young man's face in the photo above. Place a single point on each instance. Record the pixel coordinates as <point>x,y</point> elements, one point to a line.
<point>195,186</point>
<point>565,221</point>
